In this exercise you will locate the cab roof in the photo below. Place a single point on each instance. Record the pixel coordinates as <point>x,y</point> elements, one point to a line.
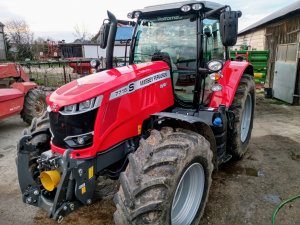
<point>175,8</point>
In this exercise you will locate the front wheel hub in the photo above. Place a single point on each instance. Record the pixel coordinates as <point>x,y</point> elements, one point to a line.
<point>246,118</point>
<point>188,195</point>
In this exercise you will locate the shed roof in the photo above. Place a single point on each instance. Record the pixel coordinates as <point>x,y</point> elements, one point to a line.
<point>286,11</point>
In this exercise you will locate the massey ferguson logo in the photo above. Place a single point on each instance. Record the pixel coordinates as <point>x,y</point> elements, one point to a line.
<point>144,82</point>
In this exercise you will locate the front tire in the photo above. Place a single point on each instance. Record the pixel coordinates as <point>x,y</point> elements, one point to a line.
<point>40,132</point>
<point>167,180</point>
<point>243,107</point>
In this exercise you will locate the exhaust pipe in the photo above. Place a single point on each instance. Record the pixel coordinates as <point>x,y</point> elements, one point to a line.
<point>111,40</point>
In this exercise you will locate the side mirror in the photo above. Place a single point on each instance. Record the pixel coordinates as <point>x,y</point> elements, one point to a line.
<point>103,35</point>
<point>229,27</point>
<point>207,32</point>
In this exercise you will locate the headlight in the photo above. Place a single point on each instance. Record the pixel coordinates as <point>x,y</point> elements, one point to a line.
<point>216,87</point>
<point>82,107</point>
<point>94,63</point>
<point>137,14</point>
<point>129,15</point>
<point>197,6</point>
<point>214,65</point>
<point>80,140</point>
<point>185,8</point>
<point>85,105</point>
<point>70,108</point>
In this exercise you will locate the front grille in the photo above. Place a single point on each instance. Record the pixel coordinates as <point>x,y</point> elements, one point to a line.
<point>63,126</point>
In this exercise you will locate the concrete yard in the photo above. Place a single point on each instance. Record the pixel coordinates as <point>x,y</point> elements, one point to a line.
<point>242,193</point>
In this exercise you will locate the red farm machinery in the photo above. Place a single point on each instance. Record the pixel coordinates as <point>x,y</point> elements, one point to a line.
<point>18,94</point>
<point>159,126</point>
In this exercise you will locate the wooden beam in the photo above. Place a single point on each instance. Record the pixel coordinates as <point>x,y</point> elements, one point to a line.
<point>292,32</point>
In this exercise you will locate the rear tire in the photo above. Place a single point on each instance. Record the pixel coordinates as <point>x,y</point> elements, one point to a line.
<point>34,105</point>
<point>167,180</point>
<point>243,107</point>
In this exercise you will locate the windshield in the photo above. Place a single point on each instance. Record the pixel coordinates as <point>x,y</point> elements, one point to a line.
<point>177,36</point>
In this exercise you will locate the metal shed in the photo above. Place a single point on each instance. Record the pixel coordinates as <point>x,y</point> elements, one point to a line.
<point>280,34</point>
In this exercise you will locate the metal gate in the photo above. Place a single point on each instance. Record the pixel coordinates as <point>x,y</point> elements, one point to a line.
<point>285,72</point>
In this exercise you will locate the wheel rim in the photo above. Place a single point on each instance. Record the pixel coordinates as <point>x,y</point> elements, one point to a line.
<point>39,108</point>
<point>188,195</point>
<point>246,118</point>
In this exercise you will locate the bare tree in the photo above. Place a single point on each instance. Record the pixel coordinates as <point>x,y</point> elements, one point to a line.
<point>81,33</point>
<point>20,37</point>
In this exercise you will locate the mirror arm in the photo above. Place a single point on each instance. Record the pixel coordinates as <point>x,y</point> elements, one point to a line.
<point>206,15</point>
<point>111,40</point>
<point>126,22</point>
<point>203,70</point>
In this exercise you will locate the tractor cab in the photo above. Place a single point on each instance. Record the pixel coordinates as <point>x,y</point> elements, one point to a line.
<point>188,36</point>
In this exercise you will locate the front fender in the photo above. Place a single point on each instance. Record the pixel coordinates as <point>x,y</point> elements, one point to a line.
<point>201,125</point>
<point>232,73</point>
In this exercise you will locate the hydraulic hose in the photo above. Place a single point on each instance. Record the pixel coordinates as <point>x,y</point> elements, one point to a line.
<point>281,205</point>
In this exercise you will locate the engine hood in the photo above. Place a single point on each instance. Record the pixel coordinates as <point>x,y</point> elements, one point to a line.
<point>99,83</point>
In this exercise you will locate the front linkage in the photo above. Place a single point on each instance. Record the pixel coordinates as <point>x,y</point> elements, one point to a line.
<point>76,175</point>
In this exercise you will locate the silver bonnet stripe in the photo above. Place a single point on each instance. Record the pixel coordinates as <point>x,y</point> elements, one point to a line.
<point>136,85</point>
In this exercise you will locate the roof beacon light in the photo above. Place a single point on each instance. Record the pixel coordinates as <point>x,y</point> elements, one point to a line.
<point>185,8</point>
<point>129,15</point>
<point>197,6</point>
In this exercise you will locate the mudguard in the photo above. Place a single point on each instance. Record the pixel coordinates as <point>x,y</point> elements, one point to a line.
<point>13,70</point>
<point>200,125</point>
<point>232,73</point>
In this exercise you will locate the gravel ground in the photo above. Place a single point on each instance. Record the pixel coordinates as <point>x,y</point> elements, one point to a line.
<point>244,192</point>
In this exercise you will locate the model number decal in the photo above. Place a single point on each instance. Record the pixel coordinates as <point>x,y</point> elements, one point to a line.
<point>131,87</point>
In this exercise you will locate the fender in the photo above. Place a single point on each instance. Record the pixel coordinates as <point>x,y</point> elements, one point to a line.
<point>193,123</point>
<point>13,70</point>
<point>232,73</point>
<point>24,86</point>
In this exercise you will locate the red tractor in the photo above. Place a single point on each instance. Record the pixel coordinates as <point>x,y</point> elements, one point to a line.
<point>160,125</point>
<point>19,95</point>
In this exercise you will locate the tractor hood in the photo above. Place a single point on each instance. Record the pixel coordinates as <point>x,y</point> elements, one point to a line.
<point>97,84</point>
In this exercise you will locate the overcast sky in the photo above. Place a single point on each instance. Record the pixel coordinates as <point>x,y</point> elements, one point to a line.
<point>57,18</point>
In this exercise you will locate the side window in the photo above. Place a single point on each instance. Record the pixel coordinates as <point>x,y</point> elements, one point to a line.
<point>213,48</point>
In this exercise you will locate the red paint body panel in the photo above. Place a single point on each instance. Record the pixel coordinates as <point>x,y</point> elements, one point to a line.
<point>12,99</point>
<point>83,68</point>
<point>24,87</point>
<point>12,70</point>
<point>11,102</point>
<point>119,118</point>
<point>96,84</point>
<point>9,93</point>
<point>232,73</point>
